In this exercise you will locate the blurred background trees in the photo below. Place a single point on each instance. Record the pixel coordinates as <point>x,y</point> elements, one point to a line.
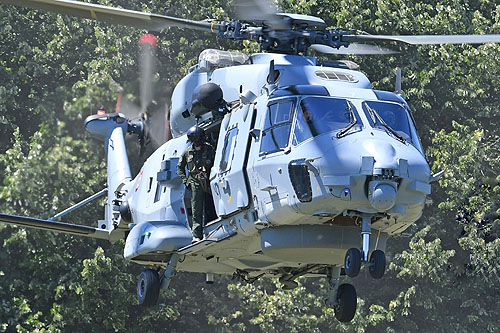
<point>55,70</point>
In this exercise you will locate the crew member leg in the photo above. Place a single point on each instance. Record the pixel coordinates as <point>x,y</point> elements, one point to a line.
<point>210,213</point>
<point>197,198</point>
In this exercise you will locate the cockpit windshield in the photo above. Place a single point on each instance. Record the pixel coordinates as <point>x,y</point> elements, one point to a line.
<point>318,115</point>
<point>389,116</point>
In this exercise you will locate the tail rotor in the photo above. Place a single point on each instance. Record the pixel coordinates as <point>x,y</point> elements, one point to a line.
<point>150,120</point>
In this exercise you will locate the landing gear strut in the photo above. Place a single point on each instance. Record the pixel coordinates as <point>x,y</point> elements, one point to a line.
<point>149,285</point>
<point>342,297</point>
<point>354,258</point>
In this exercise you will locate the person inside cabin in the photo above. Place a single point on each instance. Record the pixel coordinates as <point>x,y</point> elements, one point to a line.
<point>304,128</point>
<point>308,117</point>
<point>390,119</point>
<point>199,159</point>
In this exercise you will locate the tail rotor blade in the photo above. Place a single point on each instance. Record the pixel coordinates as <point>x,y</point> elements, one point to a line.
<point>128,108</point>
<point>147,68</point>
<point>158,125</point>
<point>168,131</point>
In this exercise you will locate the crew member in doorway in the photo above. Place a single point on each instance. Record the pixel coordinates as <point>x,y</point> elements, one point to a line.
<point>199,158</point>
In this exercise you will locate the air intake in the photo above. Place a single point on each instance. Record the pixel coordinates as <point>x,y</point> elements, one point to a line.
<point>336,76</point>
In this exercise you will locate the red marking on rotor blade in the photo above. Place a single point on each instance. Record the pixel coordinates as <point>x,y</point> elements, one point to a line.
<point>148,39</point>
<point>118,102</point>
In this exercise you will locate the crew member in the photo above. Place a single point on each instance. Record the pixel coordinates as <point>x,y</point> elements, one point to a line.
<point>199,158</point>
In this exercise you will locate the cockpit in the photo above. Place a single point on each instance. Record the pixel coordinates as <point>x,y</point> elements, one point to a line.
<point>293,120</point>
<point>388,116</point>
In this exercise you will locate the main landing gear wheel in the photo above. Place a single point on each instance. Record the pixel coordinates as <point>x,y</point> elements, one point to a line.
<point>352,262</point>
<point>377,264</point>
<point>347,302</point>
<point>148,288</point>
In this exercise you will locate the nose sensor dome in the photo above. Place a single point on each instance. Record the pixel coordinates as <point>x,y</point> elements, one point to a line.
<point>382,196</point>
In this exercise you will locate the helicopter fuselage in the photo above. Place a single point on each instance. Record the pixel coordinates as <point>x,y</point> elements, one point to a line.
<point>296,171</point>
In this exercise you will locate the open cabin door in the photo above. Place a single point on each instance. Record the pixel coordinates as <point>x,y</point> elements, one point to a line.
<point>228,178</point>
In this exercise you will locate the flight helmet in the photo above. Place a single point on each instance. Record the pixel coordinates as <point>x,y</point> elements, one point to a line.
<point>196,135</point>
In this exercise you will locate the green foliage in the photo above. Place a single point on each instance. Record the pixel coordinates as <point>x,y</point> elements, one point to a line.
<point>55,70</point>
<point>423,260</point>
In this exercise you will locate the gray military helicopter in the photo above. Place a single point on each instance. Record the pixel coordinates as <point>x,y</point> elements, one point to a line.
<point>314,170</point>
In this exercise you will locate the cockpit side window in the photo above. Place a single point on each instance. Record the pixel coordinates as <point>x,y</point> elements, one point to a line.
<point>277,126</point>
<point>392,114</point>
<point>318,115</point>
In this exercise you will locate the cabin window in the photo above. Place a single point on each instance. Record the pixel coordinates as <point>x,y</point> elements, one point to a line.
<point>277,126</point>
<point>319,115</point>
<point>392,114</point>
<point>228,150</point>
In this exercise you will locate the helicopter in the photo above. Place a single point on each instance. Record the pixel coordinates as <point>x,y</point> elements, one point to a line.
<point>314,170</point>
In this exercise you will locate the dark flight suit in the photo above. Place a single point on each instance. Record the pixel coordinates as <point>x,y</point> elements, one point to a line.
<point>198,165</point>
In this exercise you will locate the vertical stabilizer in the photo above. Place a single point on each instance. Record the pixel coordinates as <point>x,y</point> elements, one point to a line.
<point>111,128</point>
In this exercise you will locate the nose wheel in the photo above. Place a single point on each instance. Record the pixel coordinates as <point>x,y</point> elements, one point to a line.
<point>376,266</point>
<point>354,258</point>
<point>352,262</point>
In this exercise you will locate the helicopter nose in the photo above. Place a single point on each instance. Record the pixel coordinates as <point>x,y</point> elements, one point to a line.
<point>382,192</point>
<point>383,152</point>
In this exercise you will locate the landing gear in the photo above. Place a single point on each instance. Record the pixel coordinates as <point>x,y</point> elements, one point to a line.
<point>148,288</point>
<point>347,303</point>
<point>342,297</point>
<point>352,262</point>
<point>149,285</point>
<point>377,264</point>
<point>354,258</point>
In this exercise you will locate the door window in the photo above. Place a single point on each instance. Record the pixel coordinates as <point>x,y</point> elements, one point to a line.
<point>228,150</point>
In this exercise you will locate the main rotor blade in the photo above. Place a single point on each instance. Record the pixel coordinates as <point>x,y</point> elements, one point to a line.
<point>352,49</point>
<point>426,39</point>
<point>260,11</point>
<point>73,229</point>
<point>116,15</point>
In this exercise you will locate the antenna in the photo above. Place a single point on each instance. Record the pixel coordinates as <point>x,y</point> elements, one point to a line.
<point>272,78</point>
<point>398,81</point>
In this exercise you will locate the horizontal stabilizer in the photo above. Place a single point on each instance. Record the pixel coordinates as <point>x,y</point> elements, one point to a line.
<point>73,229</point>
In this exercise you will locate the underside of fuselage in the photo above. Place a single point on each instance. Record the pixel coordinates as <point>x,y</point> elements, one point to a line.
<point>273,251</point>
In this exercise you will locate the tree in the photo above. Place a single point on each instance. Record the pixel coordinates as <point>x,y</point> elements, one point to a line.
<point>55,70</point>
